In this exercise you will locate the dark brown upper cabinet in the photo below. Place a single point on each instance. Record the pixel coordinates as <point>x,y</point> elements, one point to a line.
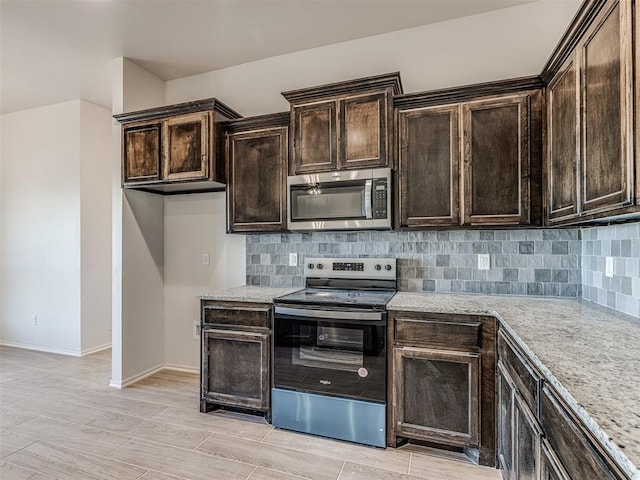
<point>175,148</point>
<point>471,155</point>
<point>591,165</point>
<point>496,162</point>
<point>346,125</point>
<point>429,166</point>
<point>257,152</point>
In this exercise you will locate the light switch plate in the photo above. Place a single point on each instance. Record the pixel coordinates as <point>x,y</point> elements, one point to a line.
<point>608,267</point>
<point>484,261</point>
<point>293,259</point>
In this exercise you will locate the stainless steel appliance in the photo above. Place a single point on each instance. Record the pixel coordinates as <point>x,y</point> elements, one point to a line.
<point>329,362</point>
<point>346,199</point>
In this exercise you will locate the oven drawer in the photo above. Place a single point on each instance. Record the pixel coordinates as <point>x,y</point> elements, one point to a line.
<point>430,330</point>
<point>246,315</point>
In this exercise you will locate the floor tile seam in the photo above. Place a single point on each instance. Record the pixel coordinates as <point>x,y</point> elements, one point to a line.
<point>344,463</point>
<point>211,432</point>
<point>326,455</point>
<point>84,453</point>
<point>147,401</point>
<point>21,448</point>
<point>35,472</point>
<point>151,419</point>
<point>198,452</point>
<point>51,416</point>
<point>260,466</point>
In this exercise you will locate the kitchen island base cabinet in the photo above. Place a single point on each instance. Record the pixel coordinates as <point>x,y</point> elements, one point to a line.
<point>236,359</point>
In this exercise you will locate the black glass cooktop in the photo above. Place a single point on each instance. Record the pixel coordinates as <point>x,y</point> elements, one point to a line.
<point>344,297</point>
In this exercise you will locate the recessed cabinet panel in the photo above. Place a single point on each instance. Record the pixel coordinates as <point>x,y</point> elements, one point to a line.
<point>186,141</point>
<point>563,143</point>
<point>437,395</point>
<point>236,368</point>
<point>257,175</point>
<point>429,171</point>
<point>506,399</point>
<point>605,166</point>
<point>496,161</point>
<point>142,152</point>
<point>527,442</point>
<point>315,143</point>
<point>362,121</point>
<point>550,467</point>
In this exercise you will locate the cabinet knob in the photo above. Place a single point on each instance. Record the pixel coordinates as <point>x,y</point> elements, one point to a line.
<point>310,266</point>
<point>387,267</point>
<point>320,266</point>
<point>378,267</point>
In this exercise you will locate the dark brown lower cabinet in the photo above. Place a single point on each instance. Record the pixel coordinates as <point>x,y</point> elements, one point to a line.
<point>236,359</point>
<point>552,444</point>
<point>550,467</point>
<point>437,395</point>
<point>441,380</point>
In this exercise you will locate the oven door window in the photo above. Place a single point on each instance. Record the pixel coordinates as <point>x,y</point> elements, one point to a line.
<point>345,359</point>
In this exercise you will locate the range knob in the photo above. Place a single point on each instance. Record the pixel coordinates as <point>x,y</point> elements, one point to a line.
<point>310,266</point>
<point>320,266</point>
<point>378,266</point>
<point>387,267</point>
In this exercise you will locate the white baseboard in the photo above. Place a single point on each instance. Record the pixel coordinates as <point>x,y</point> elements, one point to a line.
<point>181,368</point>
<point>97,349</point>
<point>152,371</point>
<point>40,348</point>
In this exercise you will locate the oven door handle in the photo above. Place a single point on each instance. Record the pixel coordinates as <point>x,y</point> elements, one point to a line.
<point>330,314</point>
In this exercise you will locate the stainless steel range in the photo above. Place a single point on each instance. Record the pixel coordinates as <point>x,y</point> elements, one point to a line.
<point>329,368</point>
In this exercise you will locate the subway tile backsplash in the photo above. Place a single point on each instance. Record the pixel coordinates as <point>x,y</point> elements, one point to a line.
<point>523,262</point>
<point>622,243</point>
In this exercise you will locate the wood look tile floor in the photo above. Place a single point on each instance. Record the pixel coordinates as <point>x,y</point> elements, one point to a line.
<point>59,419</point>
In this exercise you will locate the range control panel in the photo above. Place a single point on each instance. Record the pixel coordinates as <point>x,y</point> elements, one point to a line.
<point>350,267</point>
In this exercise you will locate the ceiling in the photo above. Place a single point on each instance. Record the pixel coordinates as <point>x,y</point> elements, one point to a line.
<point>58,50</point>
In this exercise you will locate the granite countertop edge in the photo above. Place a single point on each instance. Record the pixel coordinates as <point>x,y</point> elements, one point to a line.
<point>248,294</point>
<point>595,429</point>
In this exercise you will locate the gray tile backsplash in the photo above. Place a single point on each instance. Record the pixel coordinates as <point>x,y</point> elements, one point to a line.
<point>523,262</point>
<point>622,243</point>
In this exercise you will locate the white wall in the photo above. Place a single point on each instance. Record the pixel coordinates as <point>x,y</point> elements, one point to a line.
<point>95,226</point>
<point>193,225</point>
<point>40,215</point>
<point>506,43</point>
<point>138,244</point>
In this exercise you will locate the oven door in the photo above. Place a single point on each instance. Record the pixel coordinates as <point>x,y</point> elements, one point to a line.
<point>331,352</point>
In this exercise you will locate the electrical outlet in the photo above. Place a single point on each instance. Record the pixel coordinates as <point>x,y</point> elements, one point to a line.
<point>293,259</point>
<point>196,330</point>
<point>34,320</point>
<point>608,267</point>
<point>205,259</point>
<point>484,261</point>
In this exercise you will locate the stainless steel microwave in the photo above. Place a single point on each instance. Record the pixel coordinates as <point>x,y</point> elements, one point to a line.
<point>342,200</point>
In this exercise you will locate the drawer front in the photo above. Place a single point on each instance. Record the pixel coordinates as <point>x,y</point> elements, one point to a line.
<point>237,316</point>
<point>428,331</point>
<point>527,382</point>
<point>575,450</point>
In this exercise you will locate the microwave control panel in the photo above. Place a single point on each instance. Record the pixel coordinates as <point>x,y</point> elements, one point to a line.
<point>380,198</point>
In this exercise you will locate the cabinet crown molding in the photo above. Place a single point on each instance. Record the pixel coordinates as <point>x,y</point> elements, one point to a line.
<point>377,82</point>
<point>271,120</point>
<point>177,109</point>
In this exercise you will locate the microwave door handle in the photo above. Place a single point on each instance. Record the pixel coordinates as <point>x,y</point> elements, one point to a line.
<point>368,187</point>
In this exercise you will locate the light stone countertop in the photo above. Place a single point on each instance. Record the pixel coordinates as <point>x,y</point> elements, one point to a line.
<point>249,293</point>
<point>590,354</point>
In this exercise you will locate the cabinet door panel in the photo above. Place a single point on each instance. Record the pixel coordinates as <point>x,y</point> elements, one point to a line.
<point>186,141</point>
<point>496,161</point>
<point>527,440</point>
<point>606,103</point>
<point>563,143</point>
<point>437,395</point>
<point>576,451</point>
<point>506,398</point>
<point>429,166</point>
<point>257,166</point>
<point>235,368</point>
<point>142,153</point>
<point>315,147</point>
<point>363,126</point>
<point>550,468</point>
